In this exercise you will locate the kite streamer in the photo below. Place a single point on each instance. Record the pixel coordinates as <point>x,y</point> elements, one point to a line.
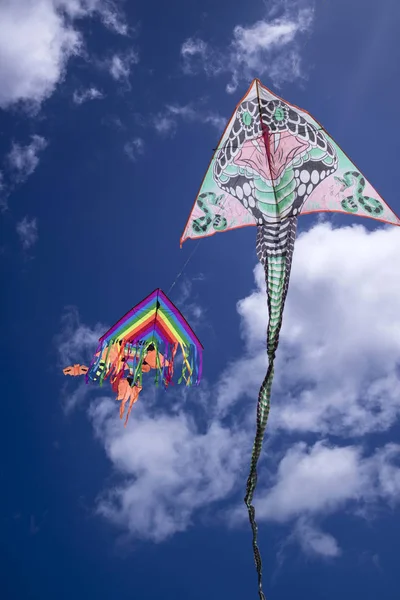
<point>274,162</point>
<point>157,323</point>
<point>146,338</point>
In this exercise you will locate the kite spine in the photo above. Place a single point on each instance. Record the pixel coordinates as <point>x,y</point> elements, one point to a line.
<point>275,244</point>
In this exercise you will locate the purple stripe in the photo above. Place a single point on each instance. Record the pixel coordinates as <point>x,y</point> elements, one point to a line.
<point>180,318</point>
<point>130,314</point>
<point>168,306</point>
<point>149,330</point>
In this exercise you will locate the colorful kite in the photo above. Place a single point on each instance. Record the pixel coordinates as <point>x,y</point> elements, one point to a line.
<point>146,338</point>
<point>274,162</point>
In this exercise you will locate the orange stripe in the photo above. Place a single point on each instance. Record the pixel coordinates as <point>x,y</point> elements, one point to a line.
<point>142,326</point>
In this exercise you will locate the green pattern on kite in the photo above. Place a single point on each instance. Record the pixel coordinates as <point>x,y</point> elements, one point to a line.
<point>273,163</point>
<point>352,203</point>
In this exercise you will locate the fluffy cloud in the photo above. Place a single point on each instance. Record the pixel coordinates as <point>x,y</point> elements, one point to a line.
<point>192,47</point>
<point>92,93</point>
<point>76,343</point>
<point>314,481</point>
<point>27,232</point>
<point>23,160</point>
<point>337,363</point>
<point>37,38</point>
<point>160,486</point>
<point>19,164</point>
<point>313,541</point>
<point>336,372</point>
<point>321,479</point>
<point>120,66</point>
<point>269,46</point>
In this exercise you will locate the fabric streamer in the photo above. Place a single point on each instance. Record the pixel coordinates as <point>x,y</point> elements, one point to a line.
<point>146,338</point>
<point>274,162</point>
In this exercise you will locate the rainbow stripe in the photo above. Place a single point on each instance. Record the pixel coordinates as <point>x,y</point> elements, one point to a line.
<point>154,320</point>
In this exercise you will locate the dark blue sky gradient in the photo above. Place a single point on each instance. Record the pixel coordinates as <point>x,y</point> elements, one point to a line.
<point>109,232</point>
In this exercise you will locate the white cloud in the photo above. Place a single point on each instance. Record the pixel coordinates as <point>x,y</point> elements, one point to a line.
<point>193,46</point>
<point>108,11</point>
<point>27,231</point>
<point>337,363</point>
<point>268,47</point>
<point>336,373</point>
<point>166,122</point>
<point>196,54</point>
<point>23,160</point>
<point>161,486</point>
<point>77,342</point>
<point>315,542</point>
<point>37,39</point>
<point>184,299</point>
<point>134,148</point>
<point>35,44</point>
<point>315,481</point>
<point>92,93</point>
<point>20,162</point>
<point>120,66</point>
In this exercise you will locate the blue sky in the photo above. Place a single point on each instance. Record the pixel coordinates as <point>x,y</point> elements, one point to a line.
<point>109,112</point>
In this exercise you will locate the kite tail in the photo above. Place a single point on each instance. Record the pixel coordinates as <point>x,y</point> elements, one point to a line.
<point>275,244</point>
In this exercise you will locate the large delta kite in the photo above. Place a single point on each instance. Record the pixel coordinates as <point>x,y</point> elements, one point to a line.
<point>274,162</point>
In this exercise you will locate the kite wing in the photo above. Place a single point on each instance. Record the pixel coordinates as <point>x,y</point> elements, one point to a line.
<point>273,163</point>
<point>148,336</point>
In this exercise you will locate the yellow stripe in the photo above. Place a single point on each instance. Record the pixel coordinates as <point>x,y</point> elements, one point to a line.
<point>172,329</point>
<point>139,323</point>
<point>167,324</point>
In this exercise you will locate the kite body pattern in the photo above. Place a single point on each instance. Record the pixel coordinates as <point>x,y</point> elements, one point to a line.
<point>273,163</point>
<point>146,338</point>
<point>126,388</point>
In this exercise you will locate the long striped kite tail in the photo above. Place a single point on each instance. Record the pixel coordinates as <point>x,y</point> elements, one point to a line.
<point>275,245</point>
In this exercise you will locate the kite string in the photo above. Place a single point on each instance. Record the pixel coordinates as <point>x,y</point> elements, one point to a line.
<point>184,267</point>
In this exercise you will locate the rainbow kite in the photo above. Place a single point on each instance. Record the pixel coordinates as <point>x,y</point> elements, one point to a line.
<point>155,324</point>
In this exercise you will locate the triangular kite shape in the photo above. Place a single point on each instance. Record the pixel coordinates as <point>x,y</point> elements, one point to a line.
<point>154,322</point>
<point>274,161</point>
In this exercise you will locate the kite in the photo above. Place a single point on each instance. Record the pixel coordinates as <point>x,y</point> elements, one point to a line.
<point>146,338</point>
<point>274,162</point>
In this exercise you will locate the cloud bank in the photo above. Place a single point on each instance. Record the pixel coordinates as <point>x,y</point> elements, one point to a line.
<point>337,373</point>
